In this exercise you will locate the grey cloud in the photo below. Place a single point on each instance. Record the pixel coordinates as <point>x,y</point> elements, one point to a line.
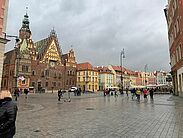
<point>100,29</point>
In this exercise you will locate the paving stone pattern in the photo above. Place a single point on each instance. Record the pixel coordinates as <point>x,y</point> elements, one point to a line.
<point>95,116</point>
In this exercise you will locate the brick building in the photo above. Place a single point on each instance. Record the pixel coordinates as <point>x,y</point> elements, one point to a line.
<point>174,14</point>
<point>40,66</point>
<point>3,40</point>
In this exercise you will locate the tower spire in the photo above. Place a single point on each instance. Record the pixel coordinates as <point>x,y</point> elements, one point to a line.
<point>26,9</point>
<point>24,32</point>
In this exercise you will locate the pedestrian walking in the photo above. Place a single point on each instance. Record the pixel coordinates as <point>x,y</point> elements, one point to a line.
<point>26,91</point>
<point>171,90</point>
<point>111,93</point>
<point>127,92</point>
<point>16,93</point>
<point>121,91</point>
<point>145,94</point>
<point>62,93</point>
<point>151,92</point>
<point>79,89</point>
<point>115,93</point>
<point>75,92</point>
<point>59,94</point>
<point>138,92</point>
<point>133,92</point>
<point>104,92</point>
<point>8,113</point>
<point>108,92</point>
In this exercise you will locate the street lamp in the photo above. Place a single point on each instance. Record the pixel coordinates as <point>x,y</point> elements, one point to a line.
<point>17,52</point>
<point>145,69</point>
<point>122,55</point>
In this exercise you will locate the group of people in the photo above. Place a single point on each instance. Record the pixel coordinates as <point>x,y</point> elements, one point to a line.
<point>77,92</point>
<point>17,93</point>
<point>135,92</point>
<point>8,113</point>
<point>110,92</point>
<point>61,92</point>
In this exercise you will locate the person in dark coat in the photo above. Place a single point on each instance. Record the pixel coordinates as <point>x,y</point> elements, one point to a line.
<point>127,92</point>
<point>133,92</point>
<point>8,113</point>
<point>26,91</point>
<point>104,91</point>
<point>59,94</point>
<point>151,92</point>
<point>16,93</point>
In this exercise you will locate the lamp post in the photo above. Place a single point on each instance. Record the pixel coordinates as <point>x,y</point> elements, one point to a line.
<point>145,69</point>
<point>17,52</point>
<point>122,55</point>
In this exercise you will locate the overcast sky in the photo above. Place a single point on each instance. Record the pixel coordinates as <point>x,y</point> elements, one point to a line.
<point>99,29</point>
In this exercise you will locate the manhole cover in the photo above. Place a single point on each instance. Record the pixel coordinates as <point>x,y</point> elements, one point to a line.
<point>89,108</point>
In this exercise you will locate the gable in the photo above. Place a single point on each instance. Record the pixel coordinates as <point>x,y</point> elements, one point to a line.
<point>23,46</point>
<point>52,53</point>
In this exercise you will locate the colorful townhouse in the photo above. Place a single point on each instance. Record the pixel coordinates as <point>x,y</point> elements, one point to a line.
<point>106,78</point>
<point>87,77</point>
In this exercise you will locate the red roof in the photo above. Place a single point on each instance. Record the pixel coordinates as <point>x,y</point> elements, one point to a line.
<point>83,66</point>
<point>118,68</point>
<point>103,69</point>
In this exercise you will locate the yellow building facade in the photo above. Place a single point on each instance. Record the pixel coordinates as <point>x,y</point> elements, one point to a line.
<point>87,78</point>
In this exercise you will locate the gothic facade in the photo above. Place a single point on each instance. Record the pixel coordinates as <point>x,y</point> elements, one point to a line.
<point>39,66</point>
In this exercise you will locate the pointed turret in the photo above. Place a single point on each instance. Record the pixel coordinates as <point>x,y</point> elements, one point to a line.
<point>24,32</point>
<point>53,33</point>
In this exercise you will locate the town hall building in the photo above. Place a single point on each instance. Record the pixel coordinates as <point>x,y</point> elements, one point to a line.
<point>39,66</point>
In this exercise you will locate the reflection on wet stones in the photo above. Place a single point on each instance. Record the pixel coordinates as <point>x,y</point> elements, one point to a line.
<point>89,108</point>
<point>26,108</point>
<point>37,130</point>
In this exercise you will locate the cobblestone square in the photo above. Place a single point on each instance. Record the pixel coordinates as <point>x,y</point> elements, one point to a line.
<point>95,116</point>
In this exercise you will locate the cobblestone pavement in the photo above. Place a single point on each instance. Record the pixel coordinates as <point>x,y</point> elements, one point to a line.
<point>95,116</point>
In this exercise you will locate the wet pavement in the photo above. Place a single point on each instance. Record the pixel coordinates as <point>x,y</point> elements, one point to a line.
<point>95,116</point>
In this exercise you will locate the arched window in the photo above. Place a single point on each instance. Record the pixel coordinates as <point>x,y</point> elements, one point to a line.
<point>33,73</point>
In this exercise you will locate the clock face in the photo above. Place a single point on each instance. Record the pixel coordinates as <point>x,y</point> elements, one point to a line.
<point>52,64</point>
